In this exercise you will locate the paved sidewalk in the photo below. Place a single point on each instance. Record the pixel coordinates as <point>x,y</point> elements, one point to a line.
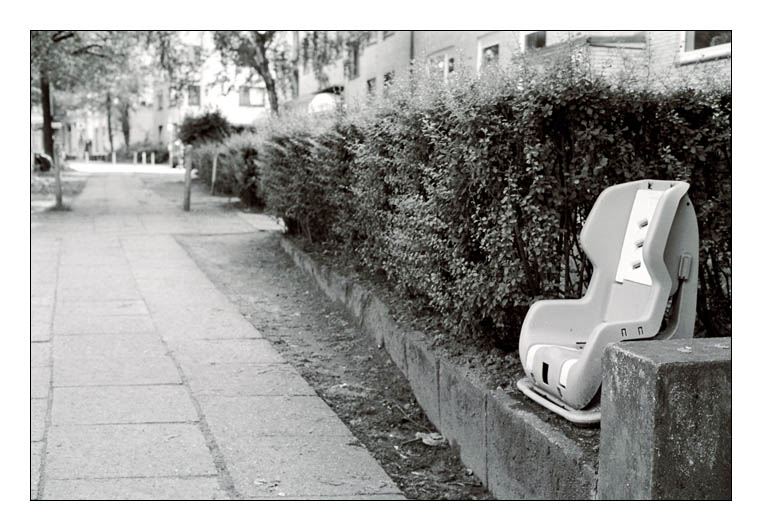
<point>146,381</point>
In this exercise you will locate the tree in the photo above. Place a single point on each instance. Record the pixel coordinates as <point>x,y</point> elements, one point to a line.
<point>67,61</point>
<point>252,49</point>
<point>272,57</point>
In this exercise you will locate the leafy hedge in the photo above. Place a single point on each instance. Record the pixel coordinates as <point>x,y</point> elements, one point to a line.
<point>236,167</point>
<point>470,197</point>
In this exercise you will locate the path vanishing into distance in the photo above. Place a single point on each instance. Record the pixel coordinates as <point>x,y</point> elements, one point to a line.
<point>147,383</point>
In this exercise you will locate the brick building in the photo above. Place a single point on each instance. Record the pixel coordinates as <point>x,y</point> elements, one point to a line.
<point>387,55</point>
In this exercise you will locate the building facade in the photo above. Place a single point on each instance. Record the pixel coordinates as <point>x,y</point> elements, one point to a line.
<point>388,55</point>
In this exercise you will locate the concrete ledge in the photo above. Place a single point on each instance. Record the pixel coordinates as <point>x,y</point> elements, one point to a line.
<point>514,452</point>
<point>666,420</point>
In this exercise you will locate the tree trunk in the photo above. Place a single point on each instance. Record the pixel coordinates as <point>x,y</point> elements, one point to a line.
<point>108,121</point>
<point>59,164</point>
<point>272,94</point>
<point>124,118</point>
<point>47,115</point>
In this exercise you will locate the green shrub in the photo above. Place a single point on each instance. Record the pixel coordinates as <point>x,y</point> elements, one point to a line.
<point>470,197</point>
<point>236,167</point>
<point>207,127</point>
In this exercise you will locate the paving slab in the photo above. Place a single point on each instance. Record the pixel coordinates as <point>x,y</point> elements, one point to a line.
<point>303,466</point>
<point>112,405</point>
<point>35,462</point>
<point>114,371</point>
<point>245,379</point>
<point>189,488</point>
<point>68,322</point>
<point>271,416</point>
<point>38,410</point>
<point>202,322</point>
<point>40,382</point>
<point>108,346</point>
<point>127,450</point>
<point>102,308</point>
<point>106,291</point>
<point>39,355</point>
<point>211,351</point>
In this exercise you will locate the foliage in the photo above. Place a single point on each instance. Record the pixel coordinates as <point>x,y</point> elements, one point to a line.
<point>236,167</point>
<point>470,197</point>
<point>207,127</point>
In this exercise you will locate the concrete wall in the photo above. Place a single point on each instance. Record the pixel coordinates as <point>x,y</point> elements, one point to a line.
<point>666,420</point>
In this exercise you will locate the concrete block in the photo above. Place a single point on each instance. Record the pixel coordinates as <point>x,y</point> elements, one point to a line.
<point>122,404</point>
<point>666,420</point>
<point>375,319</point>
<point>357,300</point>
<point>423,374</point>
<point>337,287</point>
<point>127,450</point>
<point>188,488</point>
<point>463,410</point>
<point>527,458</point>
<point>394,343</point>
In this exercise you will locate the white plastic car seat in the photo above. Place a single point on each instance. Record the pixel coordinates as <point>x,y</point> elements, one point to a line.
<point>642,240</point>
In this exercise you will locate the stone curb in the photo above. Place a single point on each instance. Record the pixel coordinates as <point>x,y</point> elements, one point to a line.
<point>516,454</point>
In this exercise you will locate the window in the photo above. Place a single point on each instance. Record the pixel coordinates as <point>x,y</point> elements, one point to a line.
<point>161,130</point>
<point>175,97</point>
<point>194,95</point>
<point>160,101</point>
<point>251,97</point>
<point>488,51</point>
<point>532,40</point>
<point>442,63</point>
<point>371,86</point>
<point>388,34</point>
<point>704,45</point>
<point>490,55</point>
<point>352,65</point>
<point>388,80</point>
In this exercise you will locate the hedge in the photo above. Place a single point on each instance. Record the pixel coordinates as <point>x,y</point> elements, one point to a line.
<point>236,167</point>
<point>470,197</point>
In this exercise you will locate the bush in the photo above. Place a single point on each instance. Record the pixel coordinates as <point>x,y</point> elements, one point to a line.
<point>471,197</point>
<point>207,127</point>
<point>236,167</point>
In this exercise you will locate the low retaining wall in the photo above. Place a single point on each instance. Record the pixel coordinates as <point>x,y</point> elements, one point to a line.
<point>515,453</point>
<point>665,413</point>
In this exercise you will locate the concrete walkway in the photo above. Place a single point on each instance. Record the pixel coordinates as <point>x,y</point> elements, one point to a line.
<point>146,381</point>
